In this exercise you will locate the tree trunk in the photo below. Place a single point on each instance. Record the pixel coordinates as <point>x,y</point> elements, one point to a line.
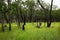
<point>24,20</point>
<point>23,28</point>
<point>48,24</point>
<point>9,26</point>
<point>2,26</point>
<point>9,15</point>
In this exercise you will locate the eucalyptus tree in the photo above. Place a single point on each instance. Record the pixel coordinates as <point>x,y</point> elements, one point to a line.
<point>2,5</point>
<point>18,11</point>
<point>25,14</point>
<point>46,11</point>
<point>30,5</point>
<point>9,14</point>
<point>50,13</point>
<point>1,16</point>
<point>14,13</point>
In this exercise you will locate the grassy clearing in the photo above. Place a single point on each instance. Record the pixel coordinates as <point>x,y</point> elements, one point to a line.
<point>32,33</point>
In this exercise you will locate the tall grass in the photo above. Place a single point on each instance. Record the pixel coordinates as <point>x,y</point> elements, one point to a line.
<point>31,32</point>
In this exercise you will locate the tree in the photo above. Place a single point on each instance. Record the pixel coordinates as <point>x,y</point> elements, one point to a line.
<point>9,14</point>
<point>46,11</point>
<point>30,6</point>
<point>1,14</point>
<point>24,16</point>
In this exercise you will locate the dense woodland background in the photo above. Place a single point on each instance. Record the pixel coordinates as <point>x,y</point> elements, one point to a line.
<point>32,10</point>
<point>27,11</point>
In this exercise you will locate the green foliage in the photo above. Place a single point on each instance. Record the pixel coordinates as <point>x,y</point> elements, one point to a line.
<point>30,9</point>
<point>56,15</point>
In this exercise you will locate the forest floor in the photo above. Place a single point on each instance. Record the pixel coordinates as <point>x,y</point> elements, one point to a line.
<point>31,32</point>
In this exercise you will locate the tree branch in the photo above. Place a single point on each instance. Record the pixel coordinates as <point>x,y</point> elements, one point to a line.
<point>41,5</point>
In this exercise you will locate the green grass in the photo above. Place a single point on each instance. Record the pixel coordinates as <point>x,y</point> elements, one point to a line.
<point>31,32</point>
